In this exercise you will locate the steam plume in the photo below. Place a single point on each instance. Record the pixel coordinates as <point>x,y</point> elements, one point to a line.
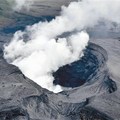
<point>38,51</point>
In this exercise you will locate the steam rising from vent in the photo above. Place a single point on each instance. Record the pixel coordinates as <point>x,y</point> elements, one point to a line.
<point>39,51</point>
<point>39,57</point>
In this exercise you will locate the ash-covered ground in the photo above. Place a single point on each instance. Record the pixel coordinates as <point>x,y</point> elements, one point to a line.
<point>92,83</point>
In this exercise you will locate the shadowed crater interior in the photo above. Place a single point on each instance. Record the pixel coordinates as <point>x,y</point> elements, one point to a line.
<point>78,73</point>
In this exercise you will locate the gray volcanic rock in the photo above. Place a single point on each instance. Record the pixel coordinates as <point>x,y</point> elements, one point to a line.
<point>96,99</point>
<point>22,99</point>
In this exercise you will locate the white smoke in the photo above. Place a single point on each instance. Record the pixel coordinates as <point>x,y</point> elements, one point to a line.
<point>38,51</point>
<point>39,57</point>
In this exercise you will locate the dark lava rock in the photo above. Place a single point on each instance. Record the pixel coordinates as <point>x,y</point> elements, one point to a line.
<point>22,99</point>
<point>13,114</point>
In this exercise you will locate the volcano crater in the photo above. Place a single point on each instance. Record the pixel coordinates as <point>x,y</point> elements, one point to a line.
<point>81,71</point>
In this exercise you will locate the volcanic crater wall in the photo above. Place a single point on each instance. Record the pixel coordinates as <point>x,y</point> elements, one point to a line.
<point>25,100</point>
